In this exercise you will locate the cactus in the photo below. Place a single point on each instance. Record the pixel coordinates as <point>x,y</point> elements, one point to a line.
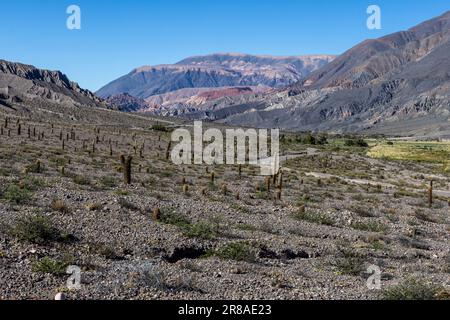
<point>110,150</point>
<point>156,214</point>
<point>213,177</point>
<point>38,166</point>
<point>63,171</point>
<point>430,194</point>
<point>19,129</point>
<point>185,189</point>
<point>63,145</point>
<point>268,184</point>
<point>60,135</point>
<point>6,122</point>
<point>1,130</point>
<point>126,166</point>
<point>169,146</point>
<point>224,189</point>
<point>280,182</point>
<point>302,209</point>
<point>34,131</point>
<point>240,170</point>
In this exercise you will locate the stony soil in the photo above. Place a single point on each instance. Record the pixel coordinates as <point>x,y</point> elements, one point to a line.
<point>339,213</point>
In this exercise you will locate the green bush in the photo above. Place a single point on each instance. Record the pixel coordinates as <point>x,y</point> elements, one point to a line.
<point>238,251</point>
<point>412,289</point>
<point>317,218</point>
<point>160,127</point>
<point>81,180</point>
<point>201,230</point>
<point>356,143</point>
<point>51,266</point>
<point>35,229</point>
<point>16,195</point>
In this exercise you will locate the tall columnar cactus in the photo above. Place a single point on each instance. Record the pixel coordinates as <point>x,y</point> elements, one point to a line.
<point>126,166</point>
<point>280,182</point>
<point>213,177</point>
<point>169,146</point>
<point>430,194</point>
<point>6,122</point>
<point>268,184</point>
<point>240,170</point>
<point>156,214</point>
<point>19,129</point>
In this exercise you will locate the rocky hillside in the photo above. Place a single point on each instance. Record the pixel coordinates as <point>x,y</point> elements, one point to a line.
<point>215,71</point>
<point>20,83</point>
<point>127,103</point>
<point>398,84</point>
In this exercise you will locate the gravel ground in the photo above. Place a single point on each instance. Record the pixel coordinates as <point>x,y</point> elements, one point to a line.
<point>208,243</point>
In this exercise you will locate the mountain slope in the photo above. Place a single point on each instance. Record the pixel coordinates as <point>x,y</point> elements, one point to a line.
<point>27,91</point>
<point>397,84</point>
<point>20,82</point>
<point>217,70</point>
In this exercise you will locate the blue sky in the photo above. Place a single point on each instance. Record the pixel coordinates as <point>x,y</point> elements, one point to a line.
<point>119,35</point>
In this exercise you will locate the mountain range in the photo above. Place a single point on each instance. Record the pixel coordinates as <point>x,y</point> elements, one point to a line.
<point>175,86</point>
<point>398,84</point>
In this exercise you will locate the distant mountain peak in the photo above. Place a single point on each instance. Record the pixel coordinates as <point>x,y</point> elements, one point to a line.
<point>215,71</point>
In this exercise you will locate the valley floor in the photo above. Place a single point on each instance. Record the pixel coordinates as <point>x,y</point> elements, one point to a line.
<point>176,234</point>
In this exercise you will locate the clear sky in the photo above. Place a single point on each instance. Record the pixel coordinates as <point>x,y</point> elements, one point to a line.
<point>118,35</point>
